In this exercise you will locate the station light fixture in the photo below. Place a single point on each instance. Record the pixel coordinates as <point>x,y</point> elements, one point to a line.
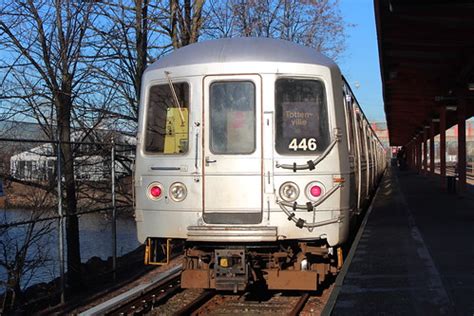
<point>470,86</point>
<point>442,98</point>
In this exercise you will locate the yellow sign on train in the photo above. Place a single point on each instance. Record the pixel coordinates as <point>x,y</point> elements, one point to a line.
<point>176,138</point>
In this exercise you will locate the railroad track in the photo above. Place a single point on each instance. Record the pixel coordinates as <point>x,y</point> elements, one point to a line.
<point>151,298</point>
<point>213,303</point>
<point>165,297</point>
<point>451,170</point>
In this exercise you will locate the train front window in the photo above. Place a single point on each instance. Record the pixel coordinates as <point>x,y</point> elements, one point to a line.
<point>302,126</point>
<point>232,117</point>
<point>166,121</point>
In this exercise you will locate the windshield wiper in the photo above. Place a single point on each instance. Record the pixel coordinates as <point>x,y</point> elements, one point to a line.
<point>175,97</point>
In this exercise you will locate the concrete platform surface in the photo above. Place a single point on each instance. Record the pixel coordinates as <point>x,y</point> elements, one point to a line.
<point>415,255</point>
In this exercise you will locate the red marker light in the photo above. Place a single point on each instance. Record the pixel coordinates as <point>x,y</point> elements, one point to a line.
<point>315,191</point>
<point>155,191</point>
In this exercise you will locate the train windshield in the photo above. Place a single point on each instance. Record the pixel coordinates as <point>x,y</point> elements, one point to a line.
<point>232,117</point>
<point>302,126</point>
<point>167,122</point>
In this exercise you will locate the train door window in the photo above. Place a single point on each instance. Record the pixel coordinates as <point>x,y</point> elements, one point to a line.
<point>232,117</point>
<point>367,141</point>
<point>361,138</point>
<point>349,120</point>
<point>370,147</point>
<point>166,121</point>
<point>302,124</point>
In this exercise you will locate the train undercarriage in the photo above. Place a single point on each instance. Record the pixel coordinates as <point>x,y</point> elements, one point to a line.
<point>279,266</point>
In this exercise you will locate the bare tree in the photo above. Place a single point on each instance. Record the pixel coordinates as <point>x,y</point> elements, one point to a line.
<point>23,251</point>
<point>125,43</point>
<point>133,34</point>
<point>316,23</point>
<point>46,46</point>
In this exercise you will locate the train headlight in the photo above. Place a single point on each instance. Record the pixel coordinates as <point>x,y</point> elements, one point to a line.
<point>155,191</point>
<point>178,191</point>
<point>289,191</point>
<point>314,190</point>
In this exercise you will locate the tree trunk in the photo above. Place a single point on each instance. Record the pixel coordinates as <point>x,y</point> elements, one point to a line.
<point>196,23</point>
<point>8,301</point>
<point>173,23</point>
<point>64,105</point>
<point>189,22</point>
<point>12,296</point>
<point>141,29</point>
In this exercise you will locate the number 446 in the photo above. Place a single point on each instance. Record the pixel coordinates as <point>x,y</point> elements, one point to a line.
<point>304,144</point>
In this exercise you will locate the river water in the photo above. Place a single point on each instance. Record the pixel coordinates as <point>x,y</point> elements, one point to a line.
<point>95,240</point>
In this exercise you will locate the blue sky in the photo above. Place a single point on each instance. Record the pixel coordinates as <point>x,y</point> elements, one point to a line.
<point>360,62</point>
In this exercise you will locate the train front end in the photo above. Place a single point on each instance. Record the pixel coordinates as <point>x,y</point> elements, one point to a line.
<point>240,157</point>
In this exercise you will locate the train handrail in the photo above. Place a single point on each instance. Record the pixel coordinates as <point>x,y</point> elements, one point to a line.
<point>310,226</point>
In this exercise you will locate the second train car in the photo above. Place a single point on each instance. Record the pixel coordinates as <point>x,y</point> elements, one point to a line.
<point>256,154</point>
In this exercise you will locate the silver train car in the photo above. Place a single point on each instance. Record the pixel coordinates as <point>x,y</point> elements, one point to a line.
<point>256,154</point>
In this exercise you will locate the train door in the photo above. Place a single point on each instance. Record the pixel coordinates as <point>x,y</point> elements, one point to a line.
<point>353,150</point>
<point>232,150</point>
<point>362,158</point>
<point>374,160</point>
<point>367,158</point>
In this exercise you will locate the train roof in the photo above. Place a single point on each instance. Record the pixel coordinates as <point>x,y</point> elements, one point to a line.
<point>245,49</point>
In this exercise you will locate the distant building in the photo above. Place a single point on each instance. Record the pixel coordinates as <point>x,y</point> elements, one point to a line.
<point>381,130</point>
<point>452,143</point>
<point>38,162</point>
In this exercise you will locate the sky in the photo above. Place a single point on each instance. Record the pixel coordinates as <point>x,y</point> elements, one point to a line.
<point>360,62</point>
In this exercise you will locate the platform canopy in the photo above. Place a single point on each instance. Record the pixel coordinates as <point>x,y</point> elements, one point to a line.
<point>426,50</point>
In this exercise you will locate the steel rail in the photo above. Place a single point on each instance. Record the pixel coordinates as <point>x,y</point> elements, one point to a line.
<point>142,305</point>
<point>123,299</point>
<point>299,305</point>
<point>196,304</point>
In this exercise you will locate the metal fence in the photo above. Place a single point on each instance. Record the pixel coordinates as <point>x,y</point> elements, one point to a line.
<point>103,179</point>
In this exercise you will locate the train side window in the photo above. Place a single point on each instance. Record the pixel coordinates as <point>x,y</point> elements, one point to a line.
<point>232,117</point>
<point>302,125</point>
<point>166,122</point>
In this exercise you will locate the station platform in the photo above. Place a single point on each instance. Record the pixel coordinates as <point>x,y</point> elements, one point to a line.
<point>414,255</point>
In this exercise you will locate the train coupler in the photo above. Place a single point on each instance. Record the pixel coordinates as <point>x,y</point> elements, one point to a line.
<point>231,269</point>
<point>157,251</point>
